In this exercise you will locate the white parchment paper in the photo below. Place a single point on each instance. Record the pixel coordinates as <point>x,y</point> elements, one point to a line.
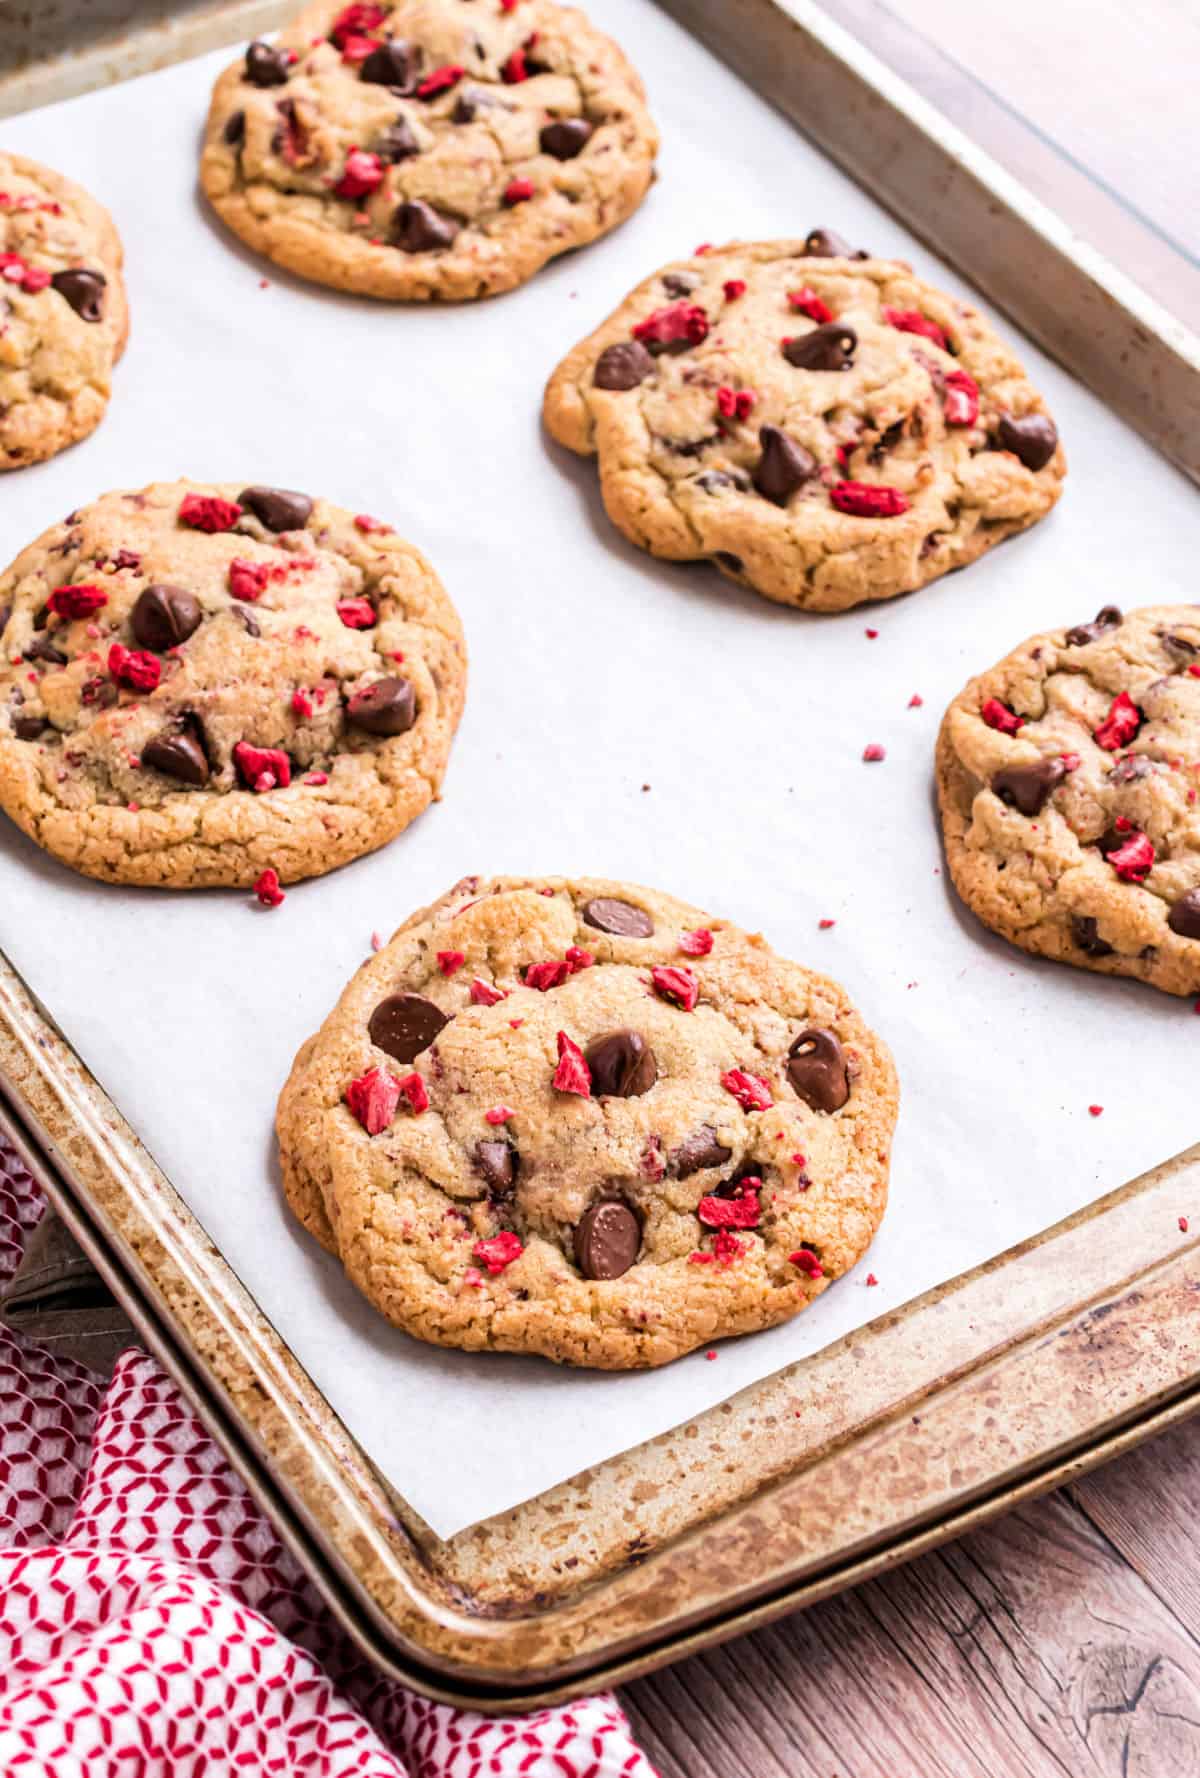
<point>625,718</point>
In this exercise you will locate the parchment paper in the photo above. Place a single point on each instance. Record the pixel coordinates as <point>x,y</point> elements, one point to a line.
<point>625,718</point>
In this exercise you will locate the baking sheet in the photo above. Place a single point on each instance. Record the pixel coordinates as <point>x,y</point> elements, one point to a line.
<point>625,718</point>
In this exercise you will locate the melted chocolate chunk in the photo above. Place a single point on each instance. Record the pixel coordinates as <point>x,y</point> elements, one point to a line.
<point>388,707</point>
<point>701,1149</point>
<point>565,139</point>
<point>623,366</point>
<point>405,1024</point>
<point>397,143</point>
<point>783,467</point>
<point>1179,645</point>
<point>178,754</point>
<point>248,620</point>
<point>817,1070</point>
<point>1107,618</point>
<point>1085,932</point>
<point>622,1065</point>
<point>607,1239</point>
<point>42,649</point>
<point>823,243</point>
<point>235,128</point>
<point>1033,439</point>
<point>395,63</point>
<point>1028,788</point>
<point>279,509</point>
<point>830,346</point>
<point>83,290</point>
<point>680,283</point>
<point>266,66</point>
<point>621,918</point>
<point>1184,917</point>
<point>714,479</point>
<point>164,616</point>
<point>418,228</point>
<point>498,1162</point>
<point>28,728</point>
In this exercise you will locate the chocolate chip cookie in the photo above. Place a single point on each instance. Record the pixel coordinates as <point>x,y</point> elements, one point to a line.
<point>428,148</point>
<point>821,424</point>
<point>63,319</point>
<point>583,1119</point>
<point>200,684</point>
<point>1068,779</point>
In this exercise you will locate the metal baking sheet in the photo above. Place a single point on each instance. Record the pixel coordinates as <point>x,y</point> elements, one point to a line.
<point>190,1009</point>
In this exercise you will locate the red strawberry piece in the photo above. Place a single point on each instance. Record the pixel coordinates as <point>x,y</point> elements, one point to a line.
<point>866,501</point>
<point>356,614</point>
<point>912,321</point>
<point>373,1099</point>
<point>999,716</point>
<point>696,944</point>
<point>450,961</point>
<point>806,1261</point>
<point>726,1247</point>
<point>302,704</point>
<point>680,323</point>
<point>262,768</point>
<point>551,974</point>
<point>751,1091</point>
<point>366,523</point>
<point>499,1251</point>
<point>844,453</point>
<point>356,49</point>
<point>135,667</point>
<point>363,174</point>
<point>208,512</point>
<point>248,580</point>
<point>516,68</point>
<point>441,80</point>
<point>961,401</point>
<point>499,1114</point>
<point>731,1213</point>
<point>77,601</point>
<point>677,984</point>
<point>416,1092</point>
<point>518,191</point>
<point>735,404</point>
<point>1134,860</point>
<point>1122,723</point>
<point>354,21</point>
<point>484,994</point>
<point>807,302</point>
<point>578,958</point>
<point>266,888</point>
<point>873,753</point>
<point>35,279</point>
<point>1095,1110</point>
<point>733,288</point>
<point>572,1074</point>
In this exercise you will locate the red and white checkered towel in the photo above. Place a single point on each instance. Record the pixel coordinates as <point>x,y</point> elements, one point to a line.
<point>152,1625</point>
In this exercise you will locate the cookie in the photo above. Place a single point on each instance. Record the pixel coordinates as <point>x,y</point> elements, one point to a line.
<point>1068,778</point>
<point>201,683</point>
<point>63,318</point>
<point>583,1119</point>
<point>428,148</point>
<point>822,425</point>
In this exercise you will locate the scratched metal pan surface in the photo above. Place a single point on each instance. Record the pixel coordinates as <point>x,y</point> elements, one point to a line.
<point>1008,1379</point>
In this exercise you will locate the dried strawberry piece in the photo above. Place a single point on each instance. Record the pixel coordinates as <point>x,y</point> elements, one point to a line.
<point>518,191</point>
<point>572,1074</point>
<point>960,405</point>
<point>441,80</point>
<point>578,958</point>
<point>1134,860</point>
<point>735,404</point>
<point>807,302</point>
<point>373,1099</point>
<point>208,512</point>
<point>696,944</point>
<point>266,888</point>
<point>484,994</point>
<point>726,1247</point>
<point>867,501</point>
<point>135,667</point>
<point>248,580</point>
<point>416,1092</point>
<point>873,752</point>
<point>16,270</point>
<point>677,984</point>
<point>751,1091</point>
<point>449,962</point>
<point>499,1114</point>
<point>354,21</point>
<point>1120,726</point>
<point>733,288</point>
<point>806,1261</point>
<point>356,49</point>
<point>732,1213</point>
<point>516,68</point>
<point>363,174</point>
<point>302,704</point>
<point>77,601</point>
<point>999,716</point>
<point>499,1251</point>
<point>681,323</point>
<point>912,321</point>
<point>356,614</point>
<point>551,974</point>
<point>366,523</point>
<point>262,768</point>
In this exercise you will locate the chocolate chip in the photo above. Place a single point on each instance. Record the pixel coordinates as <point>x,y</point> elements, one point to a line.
<point>28,728</point>
<point>713,479</point>
<point>1179,645</point>
<point>822,243</point>
<point>397,143</point>
<point>235,128</point>
<point>817,1069</point>
<point>498,1162</point>
<point>42,649</point>
<point>701,1149</point>
<point>5,614</point>
<point>1184,917</point>
<point>565,139</point>
<point>266,66</point>
<point>178,754</point>
<point>680,283</point>
<point>1033,439</point>
<point>728,560</point>
<point>783,467</point>
<point>418,228</point>
<point>279,509</point>
<point>83,290</point>
<point>164,616</point>
<point>99,693</point>
<point>621,918</point>
<point>623,366</point>
<point>394,63</point>
<point>1112,839</point>
<point>607,1239</point>
<point>388,707</point>
<point>1085,932</point>
<point>622,1065</point>
<point>1107,618</point>
<point>405,1024</point>
<point>466,106</point>
<point>828,347</point>
<point>248,620</point>
<point>1028,788</point>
